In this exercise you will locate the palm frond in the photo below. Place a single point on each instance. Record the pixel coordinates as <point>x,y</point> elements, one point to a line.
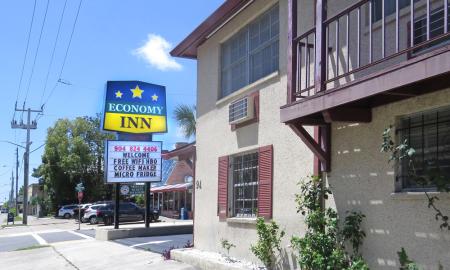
<point>185,117</point>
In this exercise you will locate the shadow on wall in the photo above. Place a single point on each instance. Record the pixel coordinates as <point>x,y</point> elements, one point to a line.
<point>362,180</point>
<point>247,136</point>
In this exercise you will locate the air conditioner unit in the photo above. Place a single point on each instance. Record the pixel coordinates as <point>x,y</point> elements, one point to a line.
<point>241,110</point>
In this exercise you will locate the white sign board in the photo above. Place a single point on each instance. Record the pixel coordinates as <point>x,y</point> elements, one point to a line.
<point>133,161</point>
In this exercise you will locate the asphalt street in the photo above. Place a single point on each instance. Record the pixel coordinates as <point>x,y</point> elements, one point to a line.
<point>157,244</point>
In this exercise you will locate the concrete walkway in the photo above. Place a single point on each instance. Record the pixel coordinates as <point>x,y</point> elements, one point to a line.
<point>89,255</point>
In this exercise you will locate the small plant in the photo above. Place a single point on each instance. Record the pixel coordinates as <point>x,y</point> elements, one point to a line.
<point>166,253</point>
<point>405,262</point>
<point>352,231</point>
<point>269,242</point>
<point>188,244</point>
<point>227,245</point>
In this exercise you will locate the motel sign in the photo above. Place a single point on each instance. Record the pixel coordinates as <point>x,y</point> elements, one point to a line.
<point>135,107</point>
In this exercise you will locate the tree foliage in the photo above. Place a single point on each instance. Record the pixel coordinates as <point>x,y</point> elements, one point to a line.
<point>185,117</point>
<point>74,152</point>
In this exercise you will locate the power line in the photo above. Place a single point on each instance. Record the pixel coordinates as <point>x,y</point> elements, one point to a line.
<point>37,52</point>
<point>65,56</point>
<point>25,57</point>
<point>53,51</point>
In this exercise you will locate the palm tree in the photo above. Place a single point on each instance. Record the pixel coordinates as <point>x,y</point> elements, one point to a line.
<point>185,117</point>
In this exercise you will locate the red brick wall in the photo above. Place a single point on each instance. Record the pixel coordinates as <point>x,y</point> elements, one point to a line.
<point>181,170</point>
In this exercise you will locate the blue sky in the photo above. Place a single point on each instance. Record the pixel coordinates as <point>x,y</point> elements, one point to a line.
<point>113,40</point>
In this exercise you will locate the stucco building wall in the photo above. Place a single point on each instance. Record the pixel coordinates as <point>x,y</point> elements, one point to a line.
<point>362,180</point>
<point>215,139</point>
<point>360,177</point>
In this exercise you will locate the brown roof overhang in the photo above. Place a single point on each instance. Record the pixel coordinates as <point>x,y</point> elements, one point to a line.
<point>188,47</point>
<point>188,149</point>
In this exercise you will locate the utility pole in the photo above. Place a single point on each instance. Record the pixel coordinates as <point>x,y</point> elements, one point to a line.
<point>11,195</point>
<point>28,126</point>
<point>17,180</point>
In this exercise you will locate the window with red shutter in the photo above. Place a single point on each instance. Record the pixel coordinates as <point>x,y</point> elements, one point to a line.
<point>265,181</point>
<point>222,194</point>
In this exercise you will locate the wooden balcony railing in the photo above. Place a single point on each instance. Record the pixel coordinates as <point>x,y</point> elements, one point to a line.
<point>361,39</point>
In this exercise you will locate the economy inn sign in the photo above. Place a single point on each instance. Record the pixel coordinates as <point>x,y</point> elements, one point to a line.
<point>135,107</point>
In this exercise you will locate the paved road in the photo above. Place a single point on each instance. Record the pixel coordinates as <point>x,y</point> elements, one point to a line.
<point>157,244</point>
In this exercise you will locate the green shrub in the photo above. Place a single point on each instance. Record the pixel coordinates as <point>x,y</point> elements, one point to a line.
<point>268,246</point>
<point>323,245</point>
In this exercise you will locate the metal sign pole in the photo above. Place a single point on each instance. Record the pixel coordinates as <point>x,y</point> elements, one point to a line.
<point>116,206</point>
<point>147,198</point>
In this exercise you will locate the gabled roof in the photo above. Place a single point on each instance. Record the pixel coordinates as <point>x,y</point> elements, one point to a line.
<point>188,47</point>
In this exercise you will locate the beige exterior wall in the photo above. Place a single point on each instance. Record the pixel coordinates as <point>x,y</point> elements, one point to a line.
<point>362,180</point>
<point>215,139</point>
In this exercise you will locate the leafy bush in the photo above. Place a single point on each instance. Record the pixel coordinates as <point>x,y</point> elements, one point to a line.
<point>323,245</point>
<point>269,242</point>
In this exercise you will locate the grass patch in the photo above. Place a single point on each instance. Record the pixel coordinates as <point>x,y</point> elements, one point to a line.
<point>32,247</point>
<point>17,218</point>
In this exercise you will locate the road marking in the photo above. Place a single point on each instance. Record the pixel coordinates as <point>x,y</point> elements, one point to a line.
<point>29,233</point>
<point>149,243</point>
<point>81,235</point>
<point>40,240</point>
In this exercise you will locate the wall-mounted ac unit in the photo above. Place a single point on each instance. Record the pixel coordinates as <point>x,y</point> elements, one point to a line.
<point>241,110</point>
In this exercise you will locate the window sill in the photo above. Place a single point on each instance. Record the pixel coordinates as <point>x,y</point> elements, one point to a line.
<point>236,220</point>
<point>246,88</point>
<point>417,195</point>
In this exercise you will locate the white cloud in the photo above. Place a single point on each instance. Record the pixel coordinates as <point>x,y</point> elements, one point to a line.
<point>156,52</point>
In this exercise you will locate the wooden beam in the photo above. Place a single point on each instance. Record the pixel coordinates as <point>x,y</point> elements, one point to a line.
<point>310,142</point>
<point>321,49</point>
<point>292,51</point>
<point>348,114</point>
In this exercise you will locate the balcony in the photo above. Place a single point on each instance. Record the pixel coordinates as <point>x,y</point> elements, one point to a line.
<point>368,54</point>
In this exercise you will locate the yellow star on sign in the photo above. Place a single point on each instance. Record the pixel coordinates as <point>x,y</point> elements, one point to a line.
<point>119,94</point>
<point>155,97</point>
<point>137,92</point>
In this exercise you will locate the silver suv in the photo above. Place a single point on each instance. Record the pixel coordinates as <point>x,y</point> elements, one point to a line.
<point>90,214</point>
<point>67,210</point>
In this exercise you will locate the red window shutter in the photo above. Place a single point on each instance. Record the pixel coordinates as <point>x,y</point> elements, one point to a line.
<point>265,181</point>
<point>222,194</point>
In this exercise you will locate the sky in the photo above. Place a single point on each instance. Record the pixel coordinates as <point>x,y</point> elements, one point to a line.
<point>112,40</point>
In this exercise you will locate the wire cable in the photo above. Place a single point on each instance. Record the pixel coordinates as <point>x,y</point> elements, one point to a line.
<point>53,52</point>
<point>25,57</point>
<point>65,56</point>
<point>37,52</point>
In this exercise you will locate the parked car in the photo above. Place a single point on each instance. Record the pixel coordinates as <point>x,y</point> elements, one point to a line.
<point>4,210</point>
<point>81,209</point>
<point>66,211</point>
<point>127,212</point>
<point>90,213</point>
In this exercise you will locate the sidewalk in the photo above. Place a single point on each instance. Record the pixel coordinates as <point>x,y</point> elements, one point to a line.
<point>89,255</point>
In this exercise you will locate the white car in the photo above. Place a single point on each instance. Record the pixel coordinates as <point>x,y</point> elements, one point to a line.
<point>90,214</point>
<point>67,211</point>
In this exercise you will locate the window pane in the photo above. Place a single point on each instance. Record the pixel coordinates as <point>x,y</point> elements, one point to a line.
<point>244,52</point>
<point>429,134</point>
<point>245,184</point>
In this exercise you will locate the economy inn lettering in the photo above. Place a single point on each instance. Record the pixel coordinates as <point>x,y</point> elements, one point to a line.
<point>135,107</point>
